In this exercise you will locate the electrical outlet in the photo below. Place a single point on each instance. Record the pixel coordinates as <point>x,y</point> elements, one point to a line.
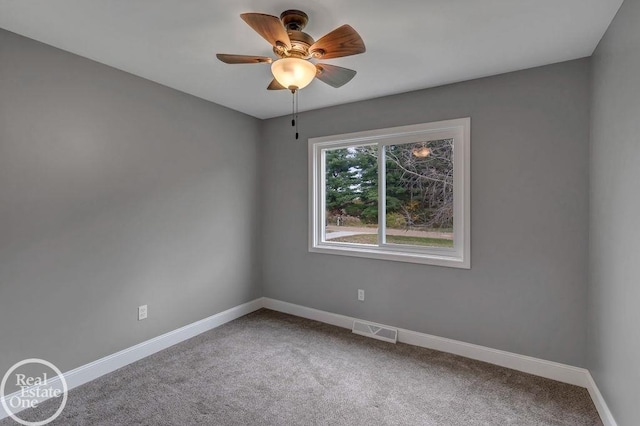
<point>142,312</point>
<point>361,295</point>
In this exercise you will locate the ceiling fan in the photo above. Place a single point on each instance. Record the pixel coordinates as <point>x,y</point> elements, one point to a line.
<point>294,48</point>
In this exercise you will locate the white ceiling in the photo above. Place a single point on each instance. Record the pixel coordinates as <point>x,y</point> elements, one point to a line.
<point>411,44</point>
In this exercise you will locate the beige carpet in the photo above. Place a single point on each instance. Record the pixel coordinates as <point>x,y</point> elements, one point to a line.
<point>273,369</point>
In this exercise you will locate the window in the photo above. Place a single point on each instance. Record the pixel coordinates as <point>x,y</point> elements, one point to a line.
<point>396,194</point>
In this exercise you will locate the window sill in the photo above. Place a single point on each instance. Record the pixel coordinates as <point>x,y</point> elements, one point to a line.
<point>375,252</point>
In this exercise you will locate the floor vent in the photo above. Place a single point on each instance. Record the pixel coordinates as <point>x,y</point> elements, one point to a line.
<point>375,331</point>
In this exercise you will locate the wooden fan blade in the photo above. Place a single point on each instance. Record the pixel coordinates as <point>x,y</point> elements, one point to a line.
<point>334,76</point>
<point>342,41</point>
<point>269,27</point>
<point>274,85</point>
<point>243,59</point>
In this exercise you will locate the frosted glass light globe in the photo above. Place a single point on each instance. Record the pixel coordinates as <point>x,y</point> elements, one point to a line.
<point>293,73</point>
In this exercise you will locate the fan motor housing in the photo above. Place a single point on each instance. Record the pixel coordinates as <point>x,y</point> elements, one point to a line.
<point>300,44</point>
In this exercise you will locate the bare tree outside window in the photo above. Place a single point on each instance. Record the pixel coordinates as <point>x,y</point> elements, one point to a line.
<point>419,193</point>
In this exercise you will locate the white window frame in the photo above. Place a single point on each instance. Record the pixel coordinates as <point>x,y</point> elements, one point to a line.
<point>457,257</point>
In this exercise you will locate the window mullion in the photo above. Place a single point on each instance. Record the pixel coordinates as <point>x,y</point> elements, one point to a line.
<point>382,202</point>
<point>321,189</point>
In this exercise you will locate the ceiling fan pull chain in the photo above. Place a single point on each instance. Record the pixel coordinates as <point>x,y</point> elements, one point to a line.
<point>297,108</point>
<point>293,108</point>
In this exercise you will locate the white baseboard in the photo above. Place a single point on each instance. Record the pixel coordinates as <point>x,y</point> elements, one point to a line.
<point>95,369</point>
<point>551,370</point>
<point>309,313</point>
<point>599,402</point>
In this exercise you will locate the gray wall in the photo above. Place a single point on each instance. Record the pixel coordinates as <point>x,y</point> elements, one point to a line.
<point>614,291</point>
<point>526,290</point>
<point>115,192</point>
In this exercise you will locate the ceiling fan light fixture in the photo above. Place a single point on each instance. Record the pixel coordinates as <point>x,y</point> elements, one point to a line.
<point>293,73</point>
